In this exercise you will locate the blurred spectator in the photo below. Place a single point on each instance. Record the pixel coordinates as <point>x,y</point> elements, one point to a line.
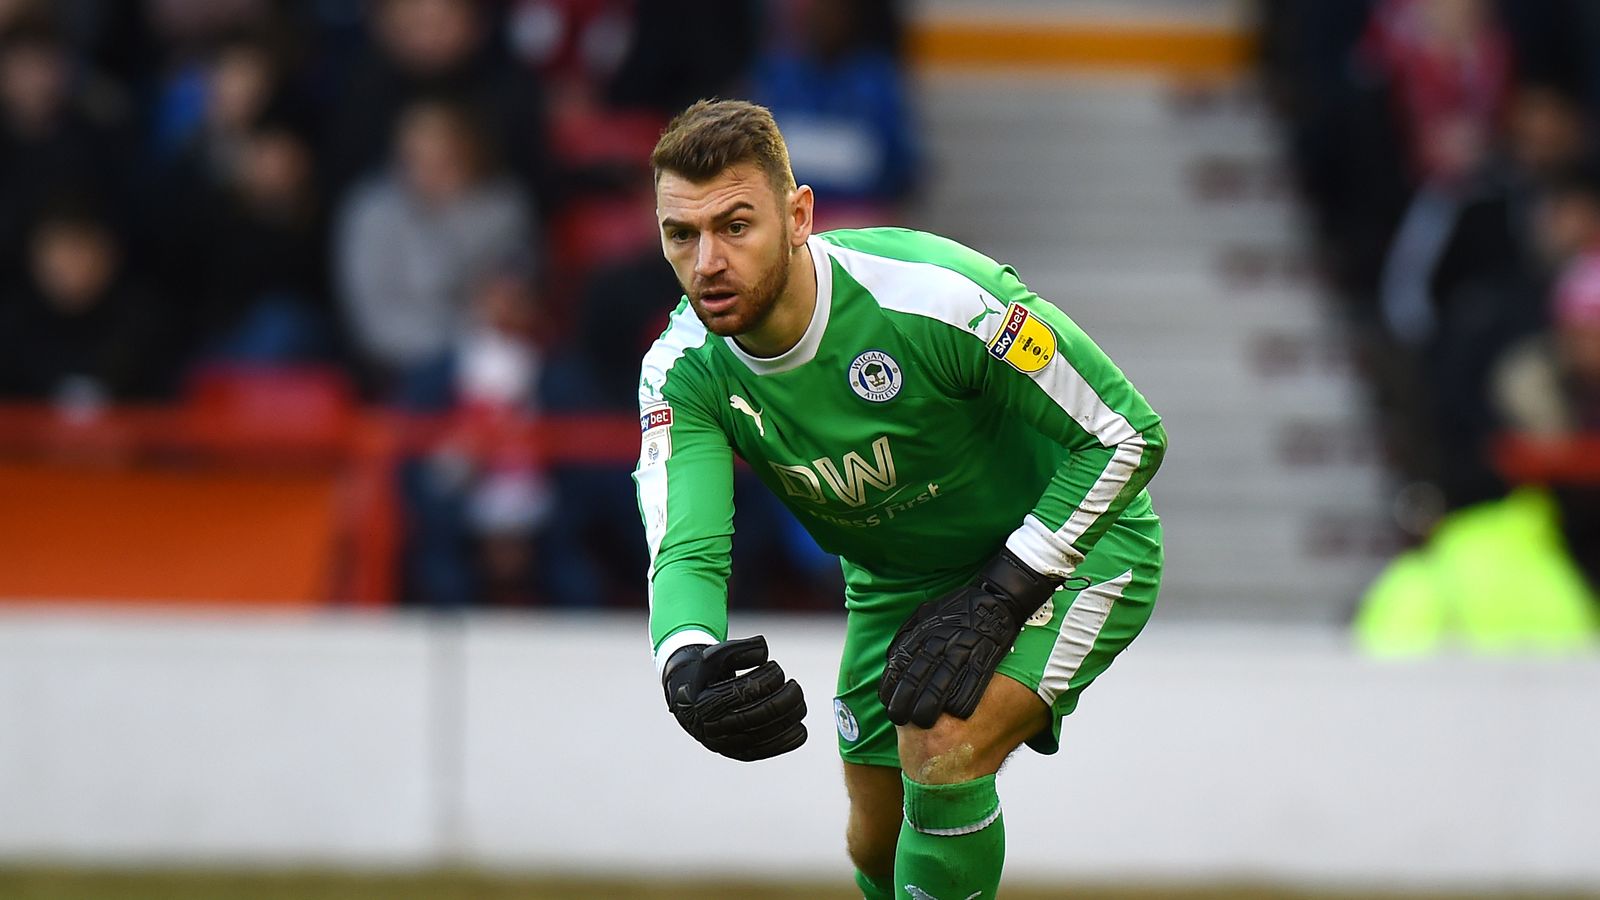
<point>624,308</point>
<point>839,96</point>
<point>81,333</point>
<point>1449,62</point>
<point>55,135</point>
<point>235,218</point>
<point>412,242</point>
<point>257,256</point>
<point>576,46</point>
<point>1461,281</point>
<point>1343,139</point>
<point>1549,385</point>
<point>477,502</point>
<point>1486,286</point>
<point>428,49</point>
<point>241,83</point>
<point>1508,575</point>
<point>216,64</point>
<point>682,52</point>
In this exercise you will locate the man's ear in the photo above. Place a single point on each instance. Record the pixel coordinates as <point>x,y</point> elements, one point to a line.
<point>801,205</point>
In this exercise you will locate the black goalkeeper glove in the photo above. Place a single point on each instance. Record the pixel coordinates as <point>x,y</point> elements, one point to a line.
<point>944,655</point>
<point>746,717</point>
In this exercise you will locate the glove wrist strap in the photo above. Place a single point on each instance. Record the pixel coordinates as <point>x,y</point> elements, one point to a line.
<point>1012,579</point>
<point>679,658</point>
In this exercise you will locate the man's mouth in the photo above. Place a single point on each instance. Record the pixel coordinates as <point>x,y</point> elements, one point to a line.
<point>718,301</point>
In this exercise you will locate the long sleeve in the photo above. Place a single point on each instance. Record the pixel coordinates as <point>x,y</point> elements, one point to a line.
<point>685,484</point>
<point>1041,366</point>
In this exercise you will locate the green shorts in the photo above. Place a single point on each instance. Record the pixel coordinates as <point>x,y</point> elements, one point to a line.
<point>1061,649</point>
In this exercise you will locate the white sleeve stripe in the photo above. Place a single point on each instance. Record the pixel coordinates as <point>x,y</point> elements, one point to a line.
<point>1080,629</point>
<point>677,641</point>
<point>684,331</point>
<point>1124,462</point>
<point>652,483</point>
<point>1051,552</point>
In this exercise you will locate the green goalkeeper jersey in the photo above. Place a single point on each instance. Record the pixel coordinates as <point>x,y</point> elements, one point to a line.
<point>934,410</point>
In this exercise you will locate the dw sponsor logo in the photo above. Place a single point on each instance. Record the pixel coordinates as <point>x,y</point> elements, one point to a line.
<point>848,481</point>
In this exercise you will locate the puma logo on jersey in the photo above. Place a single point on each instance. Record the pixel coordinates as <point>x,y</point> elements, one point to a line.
<point>987,312</point>
<point>743,405</point>
<point>848,481</point>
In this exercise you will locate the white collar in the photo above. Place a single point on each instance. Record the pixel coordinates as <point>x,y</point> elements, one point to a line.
<point>806,349</point>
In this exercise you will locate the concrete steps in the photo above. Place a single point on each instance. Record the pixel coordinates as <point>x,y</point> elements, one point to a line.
<point>1161,224</point>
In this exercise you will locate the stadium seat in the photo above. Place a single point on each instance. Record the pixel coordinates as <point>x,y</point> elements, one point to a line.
<point>271,409</point>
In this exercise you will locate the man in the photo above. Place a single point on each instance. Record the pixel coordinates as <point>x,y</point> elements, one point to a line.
<point>975,460</point>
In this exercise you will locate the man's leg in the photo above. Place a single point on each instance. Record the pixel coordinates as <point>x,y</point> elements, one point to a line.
<point>875,815</point>
<point>952,839</point>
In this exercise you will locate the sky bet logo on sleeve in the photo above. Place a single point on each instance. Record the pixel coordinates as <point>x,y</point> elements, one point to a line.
<point>1025,342</point>
<point>655,441</point>
<point>655,418</point>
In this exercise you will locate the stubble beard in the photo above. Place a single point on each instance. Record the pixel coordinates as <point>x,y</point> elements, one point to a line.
<point>755,305</point>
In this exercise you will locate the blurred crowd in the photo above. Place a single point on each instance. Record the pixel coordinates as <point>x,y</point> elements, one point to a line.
<point>1448,152</point>
<point>444,205</point>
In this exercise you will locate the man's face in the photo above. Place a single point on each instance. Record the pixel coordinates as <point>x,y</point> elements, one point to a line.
<point>73,265</point>
<point>1564,225</point>
<point>428,36</point>
<point>433,156</point>
<point>728,240</point>
<point>1579,346</point>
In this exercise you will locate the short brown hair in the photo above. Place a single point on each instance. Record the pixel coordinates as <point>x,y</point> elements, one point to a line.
<point>712,135</point>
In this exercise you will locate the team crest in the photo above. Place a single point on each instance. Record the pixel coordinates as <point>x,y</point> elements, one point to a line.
<point>1025,341</point>
<point>849,729</point>
<point>875,376</point>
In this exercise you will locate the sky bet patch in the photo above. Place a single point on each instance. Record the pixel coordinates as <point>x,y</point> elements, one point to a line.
<point>655,417</point>
<point>1025,342</point>
<point>655,445</point>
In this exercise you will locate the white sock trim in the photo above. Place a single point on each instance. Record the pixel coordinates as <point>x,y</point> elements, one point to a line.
<point>957,832</point>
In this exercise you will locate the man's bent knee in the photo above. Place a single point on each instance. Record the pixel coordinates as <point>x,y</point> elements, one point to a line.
<point>956,750</point>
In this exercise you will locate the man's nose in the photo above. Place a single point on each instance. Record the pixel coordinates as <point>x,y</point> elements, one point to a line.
<point>708,259</point>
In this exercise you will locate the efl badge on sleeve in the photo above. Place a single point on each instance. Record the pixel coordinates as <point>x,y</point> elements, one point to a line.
<point>1025,341</point>
<point>655,443</point>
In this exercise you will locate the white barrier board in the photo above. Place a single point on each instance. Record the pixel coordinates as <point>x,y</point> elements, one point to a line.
<point>543,742</point>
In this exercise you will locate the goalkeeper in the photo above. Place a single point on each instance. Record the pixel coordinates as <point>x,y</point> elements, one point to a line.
<point>975,460</point>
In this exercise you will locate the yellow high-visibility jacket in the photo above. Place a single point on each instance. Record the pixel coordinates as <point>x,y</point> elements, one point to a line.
<point>1495,577</point>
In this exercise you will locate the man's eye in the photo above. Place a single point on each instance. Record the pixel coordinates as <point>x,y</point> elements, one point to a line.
<point>737,228</point>
<point>678,236</point>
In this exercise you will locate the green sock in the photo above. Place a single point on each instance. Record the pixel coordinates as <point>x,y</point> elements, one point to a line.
<point>874,890</point>
<point>952,843</point>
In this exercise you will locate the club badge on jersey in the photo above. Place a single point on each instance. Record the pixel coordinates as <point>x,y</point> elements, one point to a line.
<point>845,720</point>
<point>875,376</point>
<point>1025,342</point>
